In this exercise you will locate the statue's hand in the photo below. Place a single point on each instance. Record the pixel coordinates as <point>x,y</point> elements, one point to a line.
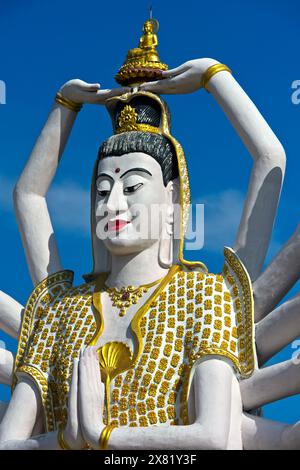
<point>186,78</point>
<point>91,397</point>
<point>81,92</point>
<point>72,433</point>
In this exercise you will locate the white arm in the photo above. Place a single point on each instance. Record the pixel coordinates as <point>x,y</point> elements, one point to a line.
<point>6,367</point>
<point>278,278</point>
<point>10,315</point>
<point>263,434</point>
<point>29,195</point>
<point>20,419</point>
<point>268,154</point>
<point>267,174</point>
<point>278,329</point>
<point>30,192</point>
<point>271,384</point>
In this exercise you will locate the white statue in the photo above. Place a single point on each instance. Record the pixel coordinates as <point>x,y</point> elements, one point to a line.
<point>171,361</point>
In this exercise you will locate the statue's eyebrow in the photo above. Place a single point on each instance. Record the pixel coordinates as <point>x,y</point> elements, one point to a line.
<point>143,170</point>
<point>101,175</point>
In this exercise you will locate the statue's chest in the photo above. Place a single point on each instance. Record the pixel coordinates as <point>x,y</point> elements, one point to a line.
<point>151,390</point>
<point>155,390</point>
<point>153,387</point>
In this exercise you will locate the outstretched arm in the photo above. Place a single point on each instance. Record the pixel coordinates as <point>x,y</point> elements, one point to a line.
<point>263,434</point>
<point>267,174</point>
<point>10,315</point>
<point>18,421</point>
<point>30,192</point>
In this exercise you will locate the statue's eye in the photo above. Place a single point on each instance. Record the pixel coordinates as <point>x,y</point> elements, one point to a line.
<point>132,189</point>
<point>103,192</point>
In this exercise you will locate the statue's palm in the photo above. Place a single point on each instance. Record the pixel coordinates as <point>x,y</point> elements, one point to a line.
<point>186,78</point>
<point>82,92</point>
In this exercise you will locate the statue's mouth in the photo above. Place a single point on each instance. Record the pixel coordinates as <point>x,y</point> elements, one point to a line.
<point>116,225</point>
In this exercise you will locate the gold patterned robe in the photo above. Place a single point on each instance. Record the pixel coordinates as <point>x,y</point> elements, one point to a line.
<point>189,316</point>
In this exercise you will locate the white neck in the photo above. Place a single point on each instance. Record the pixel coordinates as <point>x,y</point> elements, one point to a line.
<point>136,269</point>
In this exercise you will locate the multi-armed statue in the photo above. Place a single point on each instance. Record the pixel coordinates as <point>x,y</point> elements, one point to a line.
<point>152,351</point>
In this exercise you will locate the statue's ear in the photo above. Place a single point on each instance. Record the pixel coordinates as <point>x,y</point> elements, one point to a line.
<point>173,189</point>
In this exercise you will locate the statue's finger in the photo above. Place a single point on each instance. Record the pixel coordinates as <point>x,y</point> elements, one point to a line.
<point>173,72</point>
<point>96,364</point>
<point>151,86</point>
<point>159,86</point>
<point>100,96</point>
<point>116,91</point>
<point>74,388</point>
<point>91,86</point>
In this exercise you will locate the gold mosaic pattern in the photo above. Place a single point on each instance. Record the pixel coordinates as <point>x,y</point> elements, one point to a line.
<point>57,322</point>
<point>194,315</point>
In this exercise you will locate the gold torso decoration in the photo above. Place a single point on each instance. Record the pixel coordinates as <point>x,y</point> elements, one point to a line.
<point>189,316</point>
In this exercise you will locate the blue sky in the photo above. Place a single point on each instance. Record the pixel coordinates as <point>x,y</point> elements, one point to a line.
<point>44,44</point>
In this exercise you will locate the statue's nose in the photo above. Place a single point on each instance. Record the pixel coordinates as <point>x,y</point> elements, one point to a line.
<point>116,201</point>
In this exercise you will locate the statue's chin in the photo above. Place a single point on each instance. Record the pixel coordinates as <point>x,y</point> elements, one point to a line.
<point>120,246</point>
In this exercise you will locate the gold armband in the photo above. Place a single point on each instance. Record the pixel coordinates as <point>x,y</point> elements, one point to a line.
<point>61,440</point>
<point>105,435</point>
<point>67,103</point>
<point>211,71</point>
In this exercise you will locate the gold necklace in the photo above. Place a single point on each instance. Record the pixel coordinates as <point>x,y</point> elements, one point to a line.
<point>126,296</point>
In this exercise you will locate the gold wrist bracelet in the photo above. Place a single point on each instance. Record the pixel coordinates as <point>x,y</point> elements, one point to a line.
<point>211,71</point>
<point>61,440</point>
<point>105,435</point>
<point>67,103</point>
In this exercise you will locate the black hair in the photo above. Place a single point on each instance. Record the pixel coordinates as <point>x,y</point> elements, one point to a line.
<point>155,145</point>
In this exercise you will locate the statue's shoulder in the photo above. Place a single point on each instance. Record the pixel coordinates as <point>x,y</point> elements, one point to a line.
<point>56,287</point>
<point>47,308</point>
<point>218,310</point>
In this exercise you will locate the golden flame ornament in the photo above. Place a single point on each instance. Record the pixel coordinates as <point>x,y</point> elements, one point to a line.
<point>114,358</point>
<point>128,119</point>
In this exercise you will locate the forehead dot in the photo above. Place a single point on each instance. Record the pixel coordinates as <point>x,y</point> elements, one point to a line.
<point>117,170</point>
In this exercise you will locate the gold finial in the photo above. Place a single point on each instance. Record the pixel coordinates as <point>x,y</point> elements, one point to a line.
<point>143,64</point>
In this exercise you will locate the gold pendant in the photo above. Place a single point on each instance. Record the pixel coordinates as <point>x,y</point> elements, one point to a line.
<point>125,297</point>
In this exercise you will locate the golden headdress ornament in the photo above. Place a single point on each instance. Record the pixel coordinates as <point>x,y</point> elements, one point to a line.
<point>142,63</point>
<point>142,111</point>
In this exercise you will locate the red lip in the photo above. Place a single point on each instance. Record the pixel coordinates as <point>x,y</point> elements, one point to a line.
<point>116,225</point>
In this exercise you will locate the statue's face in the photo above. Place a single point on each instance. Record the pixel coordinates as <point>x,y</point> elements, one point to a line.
<point>148,27</point>
<point>131,202</point>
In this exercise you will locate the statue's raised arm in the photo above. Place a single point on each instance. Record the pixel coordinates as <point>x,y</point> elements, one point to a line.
<point>267,175</point>
<point>31,190</point>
